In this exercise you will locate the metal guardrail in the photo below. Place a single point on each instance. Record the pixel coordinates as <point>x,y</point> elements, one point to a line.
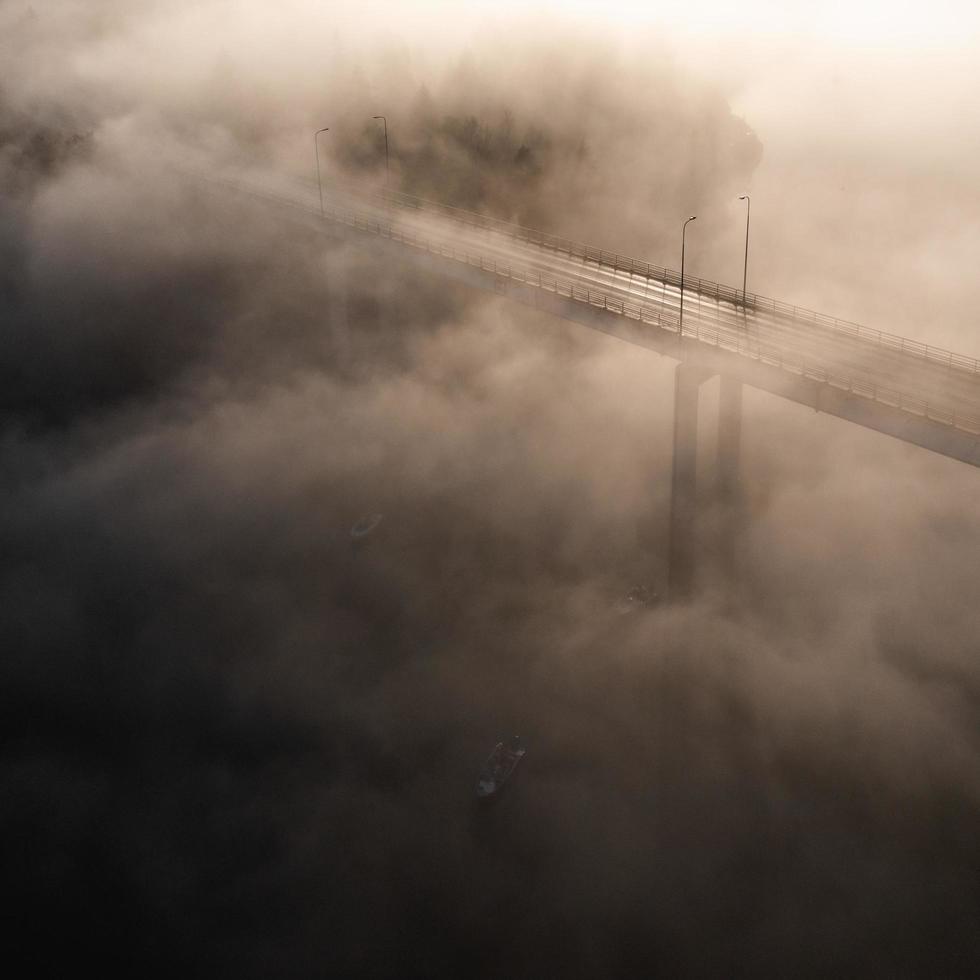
<point>706,287</point>
<point>745,347</point>
<point>740,344</point>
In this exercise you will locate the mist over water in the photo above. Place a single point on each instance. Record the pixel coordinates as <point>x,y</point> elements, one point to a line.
<point>239,741</point>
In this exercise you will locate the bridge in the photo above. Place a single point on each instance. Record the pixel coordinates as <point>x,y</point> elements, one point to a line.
<point>915,392</point>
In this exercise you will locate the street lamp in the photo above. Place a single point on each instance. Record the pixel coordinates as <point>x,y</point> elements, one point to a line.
<point>316,151</point>
<point>680,325</point>
<point>745,267</point>
<point>385,121</point>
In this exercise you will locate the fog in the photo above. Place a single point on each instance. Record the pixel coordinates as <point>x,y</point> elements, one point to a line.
<point>237,741</point>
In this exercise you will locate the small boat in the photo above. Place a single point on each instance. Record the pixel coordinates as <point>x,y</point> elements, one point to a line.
<point>365,526</point>
<point>639,597</point>
<point>500,767</point>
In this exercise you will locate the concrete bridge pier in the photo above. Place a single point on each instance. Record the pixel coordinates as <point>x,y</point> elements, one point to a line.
<point>684,481</point>
<point>729,438</point>
<point>728,486</point>
<point>681,565</point>
<point>338,309</point>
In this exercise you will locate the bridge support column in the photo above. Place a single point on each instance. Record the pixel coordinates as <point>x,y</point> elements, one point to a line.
<point>338,311</point>
<point>728,487</point>
<point>684,481</point>
<point>729,438</point>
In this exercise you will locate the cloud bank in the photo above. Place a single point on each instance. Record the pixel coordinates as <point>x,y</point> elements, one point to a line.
<point>236,741</point>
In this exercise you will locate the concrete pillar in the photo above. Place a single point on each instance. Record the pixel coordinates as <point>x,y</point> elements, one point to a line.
<point>729,439</point>
<point>728,487</point>
<point>338,307</point>
<point>684,482</point>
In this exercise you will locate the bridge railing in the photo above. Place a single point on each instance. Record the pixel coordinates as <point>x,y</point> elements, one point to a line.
<point>717,291</point>
<point>697,326</point>
<point>709,333</point>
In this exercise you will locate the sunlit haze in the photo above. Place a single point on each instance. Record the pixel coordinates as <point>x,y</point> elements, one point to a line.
<point>488,490</point>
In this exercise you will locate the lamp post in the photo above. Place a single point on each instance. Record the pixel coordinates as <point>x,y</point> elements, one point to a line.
<point>316,152</point>
<point>745,267</point>
<point>680,324</point>
<point>385,121</point>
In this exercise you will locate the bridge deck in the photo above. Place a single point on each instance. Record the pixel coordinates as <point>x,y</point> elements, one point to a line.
<point>911,379</point>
